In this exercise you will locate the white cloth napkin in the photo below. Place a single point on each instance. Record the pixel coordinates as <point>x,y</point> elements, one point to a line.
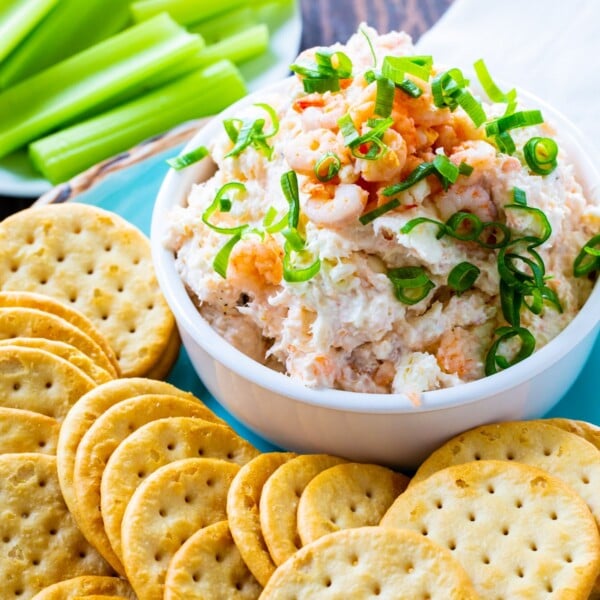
<point>548,47</point>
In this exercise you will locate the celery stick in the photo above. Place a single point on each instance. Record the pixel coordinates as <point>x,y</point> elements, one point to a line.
<point>202,93</point>
<point>73,87</point>
<point>185,12</point>
<point>70,28</point>
<point>239,46</point>
<point>17,19</point>
<point>225,24</point>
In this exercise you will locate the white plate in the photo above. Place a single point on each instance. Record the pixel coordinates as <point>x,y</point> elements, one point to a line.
<point>17,177</point>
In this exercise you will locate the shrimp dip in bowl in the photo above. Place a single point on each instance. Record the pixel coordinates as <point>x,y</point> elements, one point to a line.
<point>373,254</point>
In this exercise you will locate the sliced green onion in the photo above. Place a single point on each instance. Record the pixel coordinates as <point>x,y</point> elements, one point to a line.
<point>505,143</point>
<point>247,132</point>
<point>221,260</point>
<point>324,75</point>
<point>375,148</point>
<point>216,204</point>
<point>493,92</point>
<point>327,167</point>
<point>411,284</point>
<point>395,67</point>
<point>510,302</point>
<point>189,158</point>
<point>447,171</point>
<point>519,196</point>
<point>410,88</point>
<point>289,185</point>
<point>419,220</point>
<point>508,262</point>
<point>384,100</point>
<point>540,154</point>
<point>524,118</point>
<point>539,229</point>
<point>449,91</point>
<point>588,259</point>
<point>495,359</point>
<point>463,276</point>
<point>380,210</point>
<point>349,131</point>
<point>371,49</point>
<point>465,169</point>
<point>464,226</point>
<point>292,274</point>
<point>500,234</point>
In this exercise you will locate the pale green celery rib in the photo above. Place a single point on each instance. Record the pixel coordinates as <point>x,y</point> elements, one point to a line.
<point>238,47</point>
<point>225,24</point>
<point>17,19</point>
<point>185,12</point>
<point>46,101</point>
<point>202,93</point>
<point>71,27</point>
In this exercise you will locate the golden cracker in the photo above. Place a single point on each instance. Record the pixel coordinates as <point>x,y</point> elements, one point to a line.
<point>583,429</point>
<point>155,445</point>
<point>99,263</point>
<point>369,562</point>
<point>64,311</point>
<point>88,408</point>
<point>35,380</point>
<point>166,510</point>
<point>279,502</point>
<point>209,565</point>
<point>40,543</point>
<point>27,431</point>
<point>518,531</point>
<point>87,586</point>
<point>165,363</point>
<point>33,323</point>
<point>346,496</point>
<point>101,440</point>
<point>100,597</point>
<point>65,351</point>
<point>243,512</point>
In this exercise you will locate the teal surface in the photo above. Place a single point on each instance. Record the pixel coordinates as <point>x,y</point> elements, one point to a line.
<point>131,194</point>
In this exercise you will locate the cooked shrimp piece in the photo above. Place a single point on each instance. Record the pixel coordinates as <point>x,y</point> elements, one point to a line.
<point>321,111</point>
<point>468,198</point>
<point>309,147</point>
<point>390,164</point>
<point>460,351</point>
<point>255,264</point>
<point>346,205</point>
<point>478,154</point>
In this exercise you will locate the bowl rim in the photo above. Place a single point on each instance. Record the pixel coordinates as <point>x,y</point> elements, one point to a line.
<point>192,322</point>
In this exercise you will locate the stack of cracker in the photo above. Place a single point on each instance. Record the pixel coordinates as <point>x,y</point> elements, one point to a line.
<point>100,265</point>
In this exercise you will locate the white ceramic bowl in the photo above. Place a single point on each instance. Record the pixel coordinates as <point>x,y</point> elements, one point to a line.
<point>383,428</point>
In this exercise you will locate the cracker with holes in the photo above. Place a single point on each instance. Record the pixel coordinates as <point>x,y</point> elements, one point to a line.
<point>587,431</point>
<point>166,510</point>
<point>98,444</point>
<point>65,351</point>
<point>89,586</point>
<point>243,505</point>
<point>33,323</point>
<point>64,311</point>
<point>279,502</point>
<point>155,445</point>
<point>369,562</point>
<point>209,565</point>
<point>35,380</point>
<point>518,531</point>
<point>27,431</point>
<point>99,263</point>
<point>87,409</point>
<point>99,597</point>
<point>39,541</point>
<point>346,496</point>
<point>564,455</point>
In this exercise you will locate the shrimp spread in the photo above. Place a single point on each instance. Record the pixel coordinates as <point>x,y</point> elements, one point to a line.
<point>377,226</point>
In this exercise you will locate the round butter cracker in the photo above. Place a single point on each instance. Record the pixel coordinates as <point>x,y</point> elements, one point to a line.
<point>39,542</point>
<point>279,502</point>
<point>243,506</point>
<point>155,445</point>
<point>100,264</point>
<point>165,511</point>
<point>518,531</point>
<point>369,562</point>
<point>209,565</point>
<point>89,587</point>
<point>346,496</point>
<point>27,431</point>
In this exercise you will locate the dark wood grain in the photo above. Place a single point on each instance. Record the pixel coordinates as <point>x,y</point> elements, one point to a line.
<point>329,21</point>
